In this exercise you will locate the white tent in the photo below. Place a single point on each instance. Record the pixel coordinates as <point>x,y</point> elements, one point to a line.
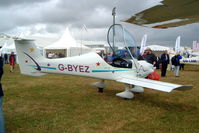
<point>8,48</point>
<point>158,48</point>
<point>68,44</point>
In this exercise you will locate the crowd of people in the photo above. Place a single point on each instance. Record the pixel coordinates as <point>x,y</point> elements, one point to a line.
<point>9,59</point>
<point>162,61</point>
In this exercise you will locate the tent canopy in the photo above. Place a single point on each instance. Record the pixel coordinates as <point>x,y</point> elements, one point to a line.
<point>158,48</point>
<point>65,42</point>
<point>7,49</point>
<point>67,46</point>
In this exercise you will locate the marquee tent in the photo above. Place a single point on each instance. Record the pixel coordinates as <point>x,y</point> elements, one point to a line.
<point>158,49</point>
<point>8,48</point>
<point>67,46</point>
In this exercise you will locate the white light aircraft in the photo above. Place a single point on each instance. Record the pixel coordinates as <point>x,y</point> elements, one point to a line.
<point>123,68</point>
<point>191,61</point>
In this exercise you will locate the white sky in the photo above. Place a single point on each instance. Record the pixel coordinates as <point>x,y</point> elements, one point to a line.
<point>50,17</point>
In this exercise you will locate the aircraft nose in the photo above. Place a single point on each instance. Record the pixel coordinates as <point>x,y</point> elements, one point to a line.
<point>147,68</point>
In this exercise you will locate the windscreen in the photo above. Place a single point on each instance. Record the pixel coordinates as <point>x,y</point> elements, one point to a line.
<point>119,40</point>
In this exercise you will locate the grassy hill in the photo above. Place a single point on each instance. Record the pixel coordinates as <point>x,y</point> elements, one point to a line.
<point>62,103</point>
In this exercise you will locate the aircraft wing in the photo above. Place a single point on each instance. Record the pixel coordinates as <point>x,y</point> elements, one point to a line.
<point>170,13</point>
<point>152,84</point>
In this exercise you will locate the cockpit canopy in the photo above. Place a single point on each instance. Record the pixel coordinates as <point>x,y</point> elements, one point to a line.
<point>123,46</point>
<point>119,40</point>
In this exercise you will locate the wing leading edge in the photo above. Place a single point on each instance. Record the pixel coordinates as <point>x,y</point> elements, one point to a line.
<point>156,85</point>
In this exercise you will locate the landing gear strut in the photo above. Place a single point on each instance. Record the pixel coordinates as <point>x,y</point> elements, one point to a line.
<point>100,85</point>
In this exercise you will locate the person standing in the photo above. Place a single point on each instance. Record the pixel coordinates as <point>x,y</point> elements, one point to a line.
<point>2,128</point>
<point>6,58</point>
<point>12,61</point>
<point>157,64</point>
<point>50,55</point>
<point>164,62</point>
<point>177,65</point>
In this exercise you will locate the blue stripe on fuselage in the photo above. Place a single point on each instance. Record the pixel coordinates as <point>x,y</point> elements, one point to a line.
<point>95,71</point>
<point>45,67</point>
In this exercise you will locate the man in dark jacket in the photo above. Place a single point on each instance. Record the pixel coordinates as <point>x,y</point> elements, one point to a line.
<point>164,62</point>
<point>2,129</point>
<point>150,57</point>
<point>177,65</point>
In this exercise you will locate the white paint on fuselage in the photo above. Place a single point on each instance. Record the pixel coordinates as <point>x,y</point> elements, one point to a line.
<point>89,65</point>
<point>192,61</point>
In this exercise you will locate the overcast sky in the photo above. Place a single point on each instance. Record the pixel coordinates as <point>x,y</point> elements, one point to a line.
<point>51,17</point>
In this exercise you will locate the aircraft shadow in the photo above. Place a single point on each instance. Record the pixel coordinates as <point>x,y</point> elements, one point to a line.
<point>153,99</point>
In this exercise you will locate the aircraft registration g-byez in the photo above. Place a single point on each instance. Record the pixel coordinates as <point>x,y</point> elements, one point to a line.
<point>169,13</point>
<point>124,69</point>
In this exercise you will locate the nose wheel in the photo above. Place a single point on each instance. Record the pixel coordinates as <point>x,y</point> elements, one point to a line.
<point>127,94</point>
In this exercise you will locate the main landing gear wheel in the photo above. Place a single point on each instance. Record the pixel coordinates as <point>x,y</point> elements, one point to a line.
<point>100,85</point>
<point>100,90</point>
<point>137,89</point>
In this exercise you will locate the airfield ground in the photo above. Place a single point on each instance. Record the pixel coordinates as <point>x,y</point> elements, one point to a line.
<point>62,103</point>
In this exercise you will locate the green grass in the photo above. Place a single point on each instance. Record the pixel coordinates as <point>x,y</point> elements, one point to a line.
<point>63,103</point>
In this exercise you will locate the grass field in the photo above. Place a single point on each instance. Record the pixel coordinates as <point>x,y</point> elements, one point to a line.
<point>62,103</point>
